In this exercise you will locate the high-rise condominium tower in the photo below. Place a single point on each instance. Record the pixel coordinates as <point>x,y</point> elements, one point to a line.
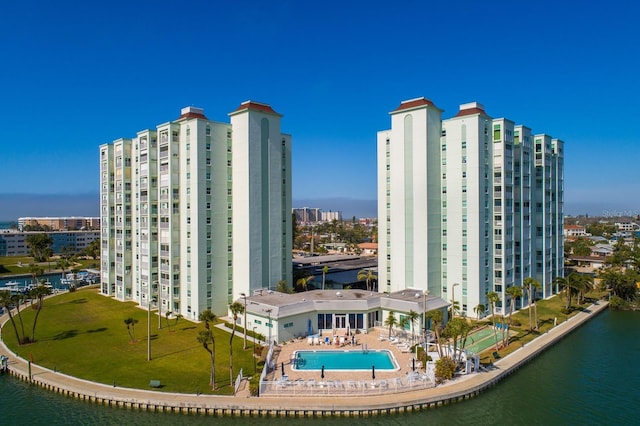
<point>196,212</point>
<point>467,205</point>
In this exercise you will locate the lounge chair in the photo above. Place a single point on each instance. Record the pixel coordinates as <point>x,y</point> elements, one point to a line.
<point>309,340</point>
<point>327,341</point>
<point>341,340</point>
<point>316,341</point>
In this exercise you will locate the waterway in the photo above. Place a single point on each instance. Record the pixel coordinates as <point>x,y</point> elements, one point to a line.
<point>592,377</point>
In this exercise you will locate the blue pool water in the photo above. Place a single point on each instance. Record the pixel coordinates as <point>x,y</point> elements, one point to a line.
<point>345,360</point>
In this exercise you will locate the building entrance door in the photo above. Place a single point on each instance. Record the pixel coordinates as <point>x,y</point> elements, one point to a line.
<point>341,320</point>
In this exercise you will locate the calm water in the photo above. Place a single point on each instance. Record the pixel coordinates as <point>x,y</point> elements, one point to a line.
<point>54,279</point>
<point>590,378</point>
<point>344,360</point>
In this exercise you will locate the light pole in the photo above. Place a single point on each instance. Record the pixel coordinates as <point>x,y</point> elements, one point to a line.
<point>149,300</point>
<point>254,349</point>
<point>424,319</point>
<point>453,299</point>
<point>159,306</point>
<point>268,311</point>
<point>244,296</point>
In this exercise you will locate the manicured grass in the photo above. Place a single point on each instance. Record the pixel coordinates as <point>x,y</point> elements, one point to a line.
<point>9,265</point>
<point>83,334</point>
<point>549,311</point>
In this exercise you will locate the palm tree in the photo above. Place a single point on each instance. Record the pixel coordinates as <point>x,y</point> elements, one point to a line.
<point>514,292</point>
<point>63,264</point>
<point>206,339</point>
<point>325,269</point>
<point>35,270</point>
<point>236,309</point>
<point>403,323</point>
<point>302,282</point>
<point>38,293</point>
<point>528,283</point>
<point>17,300</point>
<point>413,318</point>
<point>390,321</point>
<point>457,329</point>
<point>131,324</point>
<point>587,285</point>
<point>479,309</point>
<point>436,323</point>
<point>6,301</point>
<point>571,284</point>
<point>493,298</point>
<point>207,316</point>
<point>368,276</point>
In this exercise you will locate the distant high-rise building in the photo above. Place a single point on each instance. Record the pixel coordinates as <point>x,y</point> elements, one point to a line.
<point>467,205</point>
<point>331,216</point>
<point>308,214</point>
<point>65,223</point>
<point>197,212</point>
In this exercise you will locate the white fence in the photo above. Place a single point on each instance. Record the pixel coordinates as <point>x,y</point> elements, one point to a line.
<point>411,382</point>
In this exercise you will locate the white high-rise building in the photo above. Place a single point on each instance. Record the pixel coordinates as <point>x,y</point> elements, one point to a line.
<point>197,212</point>
<point>464,208</point>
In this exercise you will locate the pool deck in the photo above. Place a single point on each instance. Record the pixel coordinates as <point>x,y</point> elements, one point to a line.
<point>462,388</point>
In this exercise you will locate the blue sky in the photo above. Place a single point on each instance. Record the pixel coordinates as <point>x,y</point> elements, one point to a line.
<point>79,74</point>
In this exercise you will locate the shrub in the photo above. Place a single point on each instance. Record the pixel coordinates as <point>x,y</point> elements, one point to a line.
<point>254,385</point>
<point>617,302</point>
<point>445,369</point>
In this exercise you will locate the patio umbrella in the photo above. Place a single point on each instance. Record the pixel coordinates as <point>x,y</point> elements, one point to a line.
<point>322,372</point>
<point>373,372</point>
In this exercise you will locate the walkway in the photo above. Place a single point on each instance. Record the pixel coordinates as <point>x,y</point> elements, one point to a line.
<point>461,388</point>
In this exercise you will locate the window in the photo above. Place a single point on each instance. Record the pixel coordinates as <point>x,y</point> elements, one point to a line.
<point>496,132</point>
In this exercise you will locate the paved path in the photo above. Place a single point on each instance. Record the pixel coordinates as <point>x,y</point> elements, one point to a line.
<point>457,389</point>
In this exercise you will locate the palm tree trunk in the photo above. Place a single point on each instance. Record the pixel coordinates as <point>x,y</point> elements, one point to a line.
<point>529,300</point>
<point>35,320</point>
<point>15,328</point>
<point>231,354</point>
<point>21,323</point>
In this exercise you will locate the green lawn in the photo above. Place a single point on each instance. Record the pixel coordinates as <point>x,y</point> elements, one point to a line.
<point>19,265</point>
<point>9,265</point>
<point>549,310</point>
<point>83,334</point>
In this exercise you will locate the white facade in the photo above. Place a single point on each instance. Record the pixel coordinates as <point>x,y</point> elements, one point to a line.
<point>409,198</point>
<point>196,212</point>
<point>460,211</point>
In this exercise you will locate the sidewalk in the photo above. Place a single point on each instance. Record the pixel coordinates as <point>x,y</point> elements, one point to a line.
<point>461,388</point>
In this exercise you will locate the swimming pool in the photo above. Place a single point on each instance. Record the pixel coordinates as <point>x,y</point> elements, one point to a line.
<point>352,360</point>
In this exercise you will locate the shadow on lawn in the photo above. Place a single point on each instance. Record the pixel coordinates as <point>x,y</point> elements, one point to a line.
<point>67,334</point>
<point>76,301</point>
<point>176,352</point>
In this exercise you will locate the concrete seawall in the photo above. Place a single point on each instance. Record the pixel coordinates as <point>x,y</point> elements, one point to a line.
<point>137,399</point>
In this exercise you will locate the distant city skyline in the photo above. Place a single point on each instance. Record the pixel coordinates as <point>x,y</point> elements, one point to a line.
<point>85,74</point>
